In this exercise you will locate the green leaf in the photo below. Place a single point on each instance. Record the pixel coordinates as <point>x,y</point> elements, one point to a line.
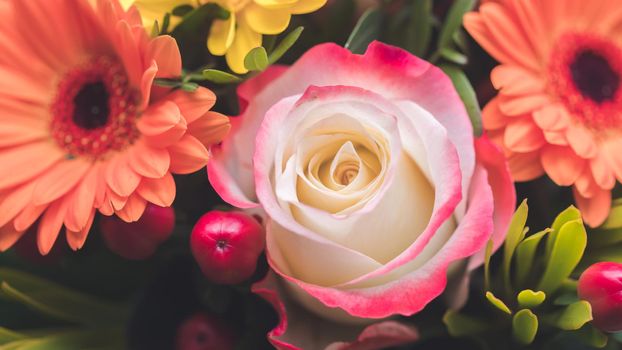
<point>512,239</point>
<point>453,21</point>
<point>164,82</point>
<point>367,29</point>
<point>529,299</point>
<point>453,56</point>
<point>571,213</point>
<point>496,302</point>
<point>568,247</point>
<point>487,255</point>
<point>155,29</point>
<point>566,299</point>
<point>524,326</point>
<point>614,220</point>
<point>220,77</point>
<point>166,22</point>
<point>592,336</point>
<point>256,59</point>
<point>7,336</point>
<point>525,254</point>
<point>285,44</point>
<point>190,87</point>
<point>419,30</point>
<point>57,301</point>
<point>182,10</point>
<point>459,325</point>
<point>572,317</point>
<point>99,339</point>
<point>467,95</point>
<point>605,238</point>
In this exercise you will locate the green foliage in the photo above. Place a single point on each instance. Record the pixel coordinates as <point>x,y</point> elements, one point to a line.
<point>524,326</point>
<point>82,321</point>
<point>539,286</point>
<point>467,95</point>
<point>256,59</point>
<point>367,29</point>
<point>288,41</point>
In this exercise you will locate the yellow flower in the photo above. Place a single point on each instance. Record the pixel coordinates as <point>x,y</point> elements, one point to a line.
<point>243,30</point>
<point>154,10</point>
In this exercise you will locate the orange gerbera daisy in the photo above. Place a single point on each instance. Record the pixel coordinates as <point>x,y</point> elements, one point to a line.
<point>559,108</point>
<point>82,126</point>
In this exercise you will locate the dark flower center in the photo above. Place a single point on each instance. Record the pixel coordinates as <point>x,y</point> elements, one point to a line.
<point>594,77</point>
<point>91,106</point>
<point>95,109</point>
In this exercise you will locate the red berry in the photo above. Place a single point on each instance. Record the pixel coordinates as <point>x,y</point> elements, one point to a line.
<point>201,332</point>
<point>601,286</point>
<point>138,240</point>
<point>226,245</point>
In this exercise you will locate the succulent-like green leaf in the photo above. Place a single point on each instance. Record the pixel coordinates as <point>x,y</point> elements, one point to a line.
<point>467,95</point>
<point>220,77</point>
<point>568,247</point>
<point>592,336</point>
<point>572,317</point>
<point>529,299</point>
<point>288,41</point>
<point>569,214</point>
<point>367,29</point>
<point>459,325</point>
<point>525,253</point>
<point>256,59</point>
<point>498,303</point>
<point>487,255</point>
<point>57,301</point>
<point>524,326</point>
<point>512,239</point>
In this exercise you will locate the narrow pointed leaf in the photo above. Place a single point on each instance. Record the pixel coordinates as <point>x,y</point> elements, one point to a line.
<point>419,31</point>
<point>453,21</point>
<point>512,239</point>
<point>367,29</point>
<point>467,95</point>
<point>454,56</point>
<point>525,254</point>
<point>285,44</point>
<point>569,214</point>
<point>220,77</point>
<point>487,255</point>
<point>498,303</point>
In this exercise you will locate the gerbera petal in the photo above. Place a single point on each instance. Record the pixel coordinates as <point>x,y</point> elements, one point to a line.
<point>59,180</point>
<point>133,209</point>
<point>514,80</point>
<point>556,137</point>
<point>492,117</point>
<point>188,155</point>
<point>245,40</point>
<point>611,149</point>
<point>149,161</point>
<point>76,239</point>
<point>8,236</point>
<point>23,130</point>
<point>146,82</point>
<point>159,118</point>
<point>120,176</point>
<point>221,36</point>
<point>526,166</point>
<point>193,105</point>
<point>561,164</point>
<point>82,201</point>
<point>602,172</point>
<point>267,21</point>
<point>523,104</point>
<point>160,191</point>
<point>163,49</point>
<point>22,163</point>
<point>552,117</point>
<point>15,201</point>
<point>50,225</point>
<point>211,128</point>
<point>28,216</point>
<point>582,141</point>
<point>595,209</point>
<point>522,135</point>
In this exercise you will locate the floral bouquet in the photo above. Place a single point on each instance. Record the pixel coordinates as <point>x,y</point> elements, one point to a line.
<point>310,174</point>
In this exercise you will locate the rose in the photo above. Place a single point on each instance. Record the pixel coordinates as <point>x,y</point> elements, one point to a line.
<point>366,167</point>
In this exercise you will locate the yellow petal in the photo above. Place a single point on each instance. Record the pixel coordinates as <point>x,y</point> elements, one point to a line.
<point>276,4</point>
<point>306,6</point>
<point>267,21</point>
<point>221,35</point>
<point>245,40</point>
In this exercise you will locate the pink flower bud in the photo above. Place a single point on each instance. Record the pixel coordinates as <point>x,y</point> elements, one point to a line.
<point>138,240</point>
<point>601,286</point>
<point>201,332</point>
<point>226,246</point>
